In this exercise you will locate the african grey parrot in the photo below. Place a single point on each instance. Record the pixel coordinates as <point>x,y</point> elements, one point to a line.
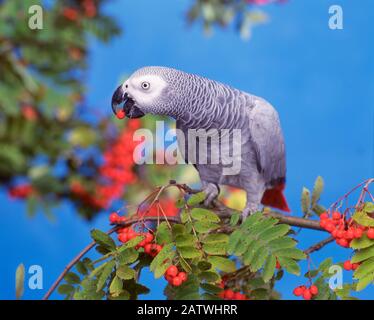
<point>199,103</point>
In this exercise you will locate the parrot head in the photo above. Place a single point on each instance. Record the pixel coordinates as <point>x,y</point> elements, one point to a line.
<point>147,90</point>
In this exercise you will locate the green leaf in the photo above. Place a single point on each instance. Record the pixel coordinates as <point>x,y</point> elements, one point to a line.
<point>364,268</point>
<point>163,234</point>
<point>205,226</point>
<point>317,190</point>
<point>362,218</point>
<point>282,243</point>
<point>363,254</point>
<point>216,238</point>
<point>222,263</point>
<point>131,243</point>
<point>293,253</point>
<point>211,288</point>
<point>189,252</point>
<point>103,239</point>
<point>234,241</point>
<point>289,265</point>
<point>365,281</point>
<point>205,215</point>
<point>185,240</point>
<point>218,249</point>
<point>204,265</point>
<point>275,232</point>
<point>128,256</point>
<point>72,278</point>
<point>105,274</point>
<point>178,229</point>
<point>209,276</point>
<point>269,268</point>
<point>20,281</point>
<point>167,252</point>
<point>65,289</point>
<point>124,272</point>
<point>81,268</point>
<point>234,219</point>
<point>196,199</point>
<point>361,243</point>
<point>116,286</point>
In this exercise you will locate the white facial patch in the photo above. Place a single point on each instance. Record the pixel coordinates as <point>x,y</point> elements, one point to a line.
<point>145,95</point>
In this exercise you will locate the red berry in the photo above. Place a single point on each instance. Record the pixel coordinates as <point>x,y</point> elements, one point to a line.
<point>324,216</point>
<point>355,266</point>
<point>349,234</point>
<point>120,114</point>
<point>334,233</point>
<point>239,296</point>
<point>221,284</point>
<point>370,233</point>
<point>343,242</point>
<point>172,271</point>
<point>183,276</point>
<point>176,281</point>
<point>329,226</point>
<point>347,265</point>
<point>222,294</point>
<point>114,217</point>
<point>148,248</point>
<point>313,290</point>
<point>336,215</point>
<point>229,294</point>
<point>148,237</point>
<point>323,223</point>
<point>340,234</point>
<point>358,233</point>
<point>169,278</point>
<point>307,295</point>
<point>298,291</point>
<point>278,265</point>
<point>123,237</point>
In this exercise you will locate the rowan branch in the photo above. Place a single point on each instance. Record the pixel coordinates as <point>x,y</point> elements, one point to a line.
<point>318,245</point>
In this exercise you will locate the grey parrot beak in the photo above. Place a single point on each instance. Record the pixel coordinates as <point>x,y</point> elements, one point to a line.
<point>122,103</point>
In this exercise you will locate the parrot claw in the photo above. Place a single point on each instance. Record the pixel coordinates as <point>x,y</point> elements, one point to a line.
<point>211,191</point>
<point>249,210</point>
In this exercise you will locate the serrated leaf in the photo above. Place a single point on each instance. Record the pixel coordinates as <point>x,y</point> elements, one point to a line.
<point>189,252</point>
<point>361,243</point>
<point>216,238</point>
<point>205,226</point>
<point>365,281</point>
<point>178,229</point>
<point>362,218</point>
<point>234,240</point>
<point>124,272</point>
<point>65,289</point>
<point>363,254</point>
<point>128,256</point>
<point>105,274</point>
<point>196,199</point>
<point>218,249</point>
<point>163,234</point>
<point>116,286</point>
<point>269,268</point>
<point>185,240</point>
<point>364,268</point>
<point>289,265</point>
<point>293,253</point>
<point>81,268</point>
<point>282,243</point>
<point>204,265</point>
<point>222,263</point>
<point>103,239</point>
<point>205,215</point>
<point>275,232</point>
<point>209,276</point>
<point>211,288</point>
<point>167,252</point>
<point>72,278</point>
<point>234,219</point>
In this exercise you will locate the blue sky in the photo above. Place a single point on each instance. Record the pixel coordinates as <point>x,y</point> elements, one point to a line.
<point>320,81</point>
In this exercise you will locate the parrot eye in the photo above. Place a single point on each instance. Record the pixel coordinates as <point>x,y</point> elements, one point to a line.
<point>145,85</point>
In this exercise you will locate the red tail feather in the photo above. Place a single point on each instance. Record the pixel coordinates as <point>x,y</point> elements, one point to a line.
<point>275,198</point>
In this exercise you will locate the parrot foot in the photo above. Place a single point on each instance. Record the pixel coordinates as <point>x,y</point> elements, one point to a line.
<point>211,191</point>
<point>248,210</point>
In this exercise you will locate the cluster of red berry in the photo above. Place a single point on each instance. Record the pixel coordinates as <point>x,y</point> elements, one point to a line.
<point>126,234</point>
<point>229,294</point>
<point>21,191</point>
<point>174,276</point>
<point>115,173</point>
<point>87,6</point>
<point>348,265</point>
<point>344,230</point>
<point>305,292</point>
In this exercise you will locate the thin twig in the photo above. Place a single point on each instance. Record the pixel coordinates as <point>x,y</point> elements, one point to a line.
<point>318,245</point>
